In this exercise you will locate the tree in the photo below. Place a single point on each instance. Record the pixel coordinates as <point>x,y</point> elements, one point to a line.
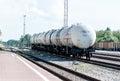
<point>0,32</point>
<point>99,35</point>
<point>117,34</point>
<point>106,36</point>
<point>13,43</point>
<point>25,41</point>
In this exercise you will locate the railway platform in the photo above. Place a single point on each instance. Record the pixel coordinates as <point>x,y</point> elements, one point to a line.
<point>15,68</point>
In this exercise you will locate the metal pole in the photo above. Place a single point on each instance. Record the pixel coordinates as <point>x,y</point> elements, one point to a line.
<point>66,18</point>
<point>65,13</point>
<point>24,18</point>
<point>24,25</point>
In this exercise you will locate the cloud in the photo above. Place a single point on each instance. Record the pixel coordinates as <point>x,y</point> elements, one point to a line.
<point>32,6</point>
<point>39,11</point>
<point>58,8</point>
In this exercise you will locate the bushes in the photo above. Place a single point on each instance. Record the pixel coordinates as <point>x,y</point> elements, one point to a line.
<point>107,36</point>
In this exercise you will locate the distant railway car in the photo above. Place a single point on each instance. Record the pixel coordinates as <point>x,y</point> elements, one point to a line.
<point>117,46</point>
<point>75,41</point>
<point>111,45</point>
<point>101,44</point>
<point>107,46</point>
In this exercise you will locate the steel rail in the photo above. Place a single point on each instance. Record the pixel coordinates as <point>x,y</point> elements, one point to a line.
<point>65,78</point>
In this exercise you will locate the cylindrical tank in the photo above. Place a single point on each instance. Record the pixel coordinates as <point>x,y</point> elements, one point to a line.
<point>80,35</point>
<point>53,37</point>
<point>43,38</point>
<point>48,36</point>
<point>65,37</point>
<point>31,40</point>
<point>38,38</point>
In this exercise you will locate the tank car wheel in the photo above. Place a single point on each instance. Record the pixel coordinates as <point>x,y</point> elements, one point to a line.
<point>88,55</point>
<point>88,58</point>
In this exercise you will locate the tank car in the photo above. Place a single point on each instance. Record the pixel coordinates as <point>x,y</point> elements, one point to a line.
<point>75,41</point>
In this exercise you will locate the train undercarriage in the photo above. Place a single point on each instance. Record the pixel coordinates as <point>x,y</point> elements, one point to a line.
<point>72,52</point>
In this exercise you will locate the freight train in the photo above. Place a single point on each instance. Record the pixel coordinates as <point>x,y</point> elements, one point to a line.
<point>75,41</point>
<point>110,46</point>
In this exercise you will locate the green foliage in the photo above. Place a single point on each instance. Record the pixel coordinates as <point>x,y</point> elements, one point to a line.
<point>13,43</point>
<point>25,41</point>
<point>0,32</point>
<point>99,35</point>
<point>117,34</point>
<point>0,42</point>
<point>107,36</point>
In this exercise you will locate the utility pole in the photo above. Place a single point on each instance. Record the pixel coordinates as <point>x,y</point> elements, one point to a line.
<point>24,23</point>
<point>65,13</point>
<point>66,20</point>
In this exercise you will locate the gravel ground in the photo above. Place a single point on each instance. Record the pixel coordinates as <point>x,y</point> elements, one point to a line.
<point>102,73</point>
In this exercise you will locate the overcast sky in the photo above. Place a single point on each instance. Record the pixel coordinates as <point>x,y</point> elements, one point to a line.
<point>44,15</point>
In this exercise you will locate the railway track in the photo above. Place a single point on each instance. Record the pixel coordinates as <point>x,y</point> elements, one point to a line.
<point>106,54</point>
<point>100,63</point>
<point>106,57</point>
<point>113,67</point>
<point>97,62</point>
<point>64,73</point>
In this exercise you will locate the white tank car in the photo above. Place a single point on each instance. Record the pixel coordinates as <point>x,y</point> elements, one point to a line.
<point>33,38</point>
<point>65,37</point>
<point>42,38</point>
<point>80,35</point>
<point>38,38</point>
<point>53,38</point>
<point>45,37</point>
<point>48,36</point>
